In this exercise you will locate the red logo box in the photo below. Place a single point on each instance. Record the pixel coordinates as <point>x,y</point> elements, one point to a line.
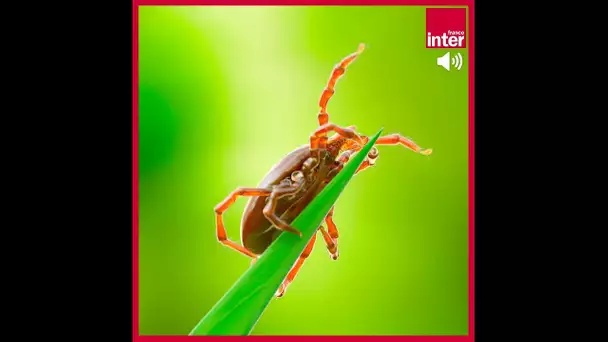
<point>446,28</point>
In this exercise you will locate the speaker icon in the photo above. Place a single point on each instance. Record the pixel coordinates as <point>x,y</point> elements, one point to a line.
<point>444,61</point>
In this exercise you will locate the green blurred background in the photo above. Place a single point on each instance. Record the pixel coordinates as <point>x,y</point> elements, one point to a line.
<point>226,92</point>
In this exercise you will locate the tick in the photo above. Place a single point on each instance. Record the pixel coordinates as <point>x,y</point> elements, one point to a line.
<point>295,180</point>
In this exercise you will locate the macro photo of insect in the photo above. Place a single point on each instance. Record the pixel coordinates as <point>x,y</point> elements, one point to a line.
<point>294,181</point>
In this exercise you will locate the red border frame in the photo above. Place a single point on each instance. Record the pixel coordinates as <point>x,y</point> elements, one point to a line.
<point>471,32</point>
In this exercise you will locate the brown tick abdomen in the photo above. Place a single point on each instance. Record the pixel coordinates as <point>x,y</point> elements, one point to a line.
<point>256,231</point>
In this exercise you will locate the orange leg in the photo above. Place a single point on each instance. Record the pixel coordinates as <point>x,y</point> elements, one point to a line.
<point>319,137</point>
<point>394,139</point>
<point>331,226</point>
<point>332,243</point>
<point>329,90</point>
<point>269,210</point>
<point>294,270</point>
<point>223,206</point>
<point>338,136</point>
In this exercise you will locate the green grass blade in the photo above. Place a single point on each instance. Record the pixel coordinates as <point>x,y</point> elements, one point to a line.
<point>237,312</point>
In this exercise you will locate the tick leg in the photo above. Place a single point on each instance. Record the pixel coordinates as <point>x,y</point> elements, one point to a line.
<point>331,226</point>
<point>329,90</point>
<point>269,210</point>
<point>333,233</point>
<point>294,270</point>
<point>394,139</point>
<point>223,206</point>
<point>338,136</point>
<point>314,143</point>
<point>319,137</point>
<point>332,244</point>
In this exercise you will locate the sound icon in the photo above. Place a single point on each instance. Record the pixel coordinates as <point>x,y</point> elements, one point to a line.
<point>444,61</point>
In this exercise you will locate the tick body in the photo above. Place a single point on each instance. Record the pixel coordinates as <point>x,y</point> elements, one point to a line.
<point>296,180</point>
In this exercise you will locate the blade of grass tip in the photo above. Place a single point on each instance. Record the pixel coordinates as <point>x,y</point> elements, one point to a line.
<point>237,312</point>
